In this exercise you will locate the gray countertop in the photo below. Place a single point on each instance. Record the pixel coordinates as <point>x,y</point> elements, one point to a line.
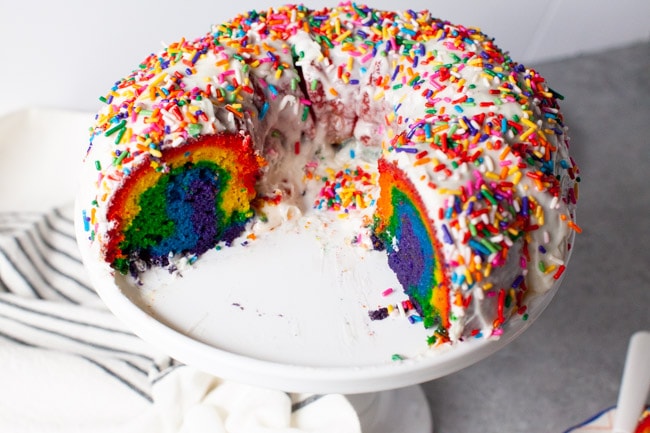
<point>567,366</point>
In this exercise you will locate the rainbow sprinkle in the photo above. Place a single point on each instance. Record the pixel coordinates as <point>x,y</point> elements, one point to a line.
<point>347,190</point>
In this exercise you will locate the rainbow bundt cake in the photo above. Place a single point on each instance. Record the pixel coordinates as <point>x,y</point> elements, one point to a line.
<point>450,158</point>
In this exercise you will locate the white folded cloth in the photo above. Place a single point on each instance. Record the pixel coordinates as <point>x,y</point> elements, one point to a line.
<point>68,365</point>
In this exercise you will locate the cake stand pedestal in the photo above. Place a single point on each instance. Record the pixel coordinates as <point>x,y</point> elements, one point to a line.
<point>402,410</point>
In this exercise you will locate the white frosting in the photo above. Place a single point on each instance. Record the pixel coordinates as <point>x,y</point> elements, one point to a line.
<point>278,114</point>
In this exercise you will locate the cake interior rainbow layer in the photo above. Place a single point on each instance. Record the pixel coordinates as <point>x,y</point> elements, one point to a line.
<point>197,196</point>
<point>405,230</point>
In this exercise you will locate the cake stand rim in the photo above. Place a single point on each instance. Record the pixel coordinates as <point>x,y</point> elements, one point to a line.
<point>294,377</point>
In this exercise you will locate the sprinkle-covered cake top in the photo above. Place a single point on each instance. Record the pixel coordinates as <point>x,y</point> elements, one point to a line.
<point>481,137</point>
<point>241,65</point>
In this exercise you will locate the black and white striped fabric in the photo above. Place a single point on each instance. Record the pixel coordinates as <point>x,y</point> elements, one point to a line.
<point>68,365</point>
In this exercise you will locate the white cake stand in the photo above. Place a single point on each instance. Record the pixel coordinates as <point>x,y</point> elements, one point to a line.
<point>250,317</point>
<point>291,313</point>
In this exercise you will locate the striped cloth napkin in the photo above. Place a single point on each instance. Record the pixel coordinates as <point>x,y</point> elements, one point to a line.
<point>68,365</point>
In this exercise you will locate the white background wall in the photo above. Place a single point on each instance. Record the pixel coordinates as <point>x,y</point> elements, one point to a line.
<point>65,54</point>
